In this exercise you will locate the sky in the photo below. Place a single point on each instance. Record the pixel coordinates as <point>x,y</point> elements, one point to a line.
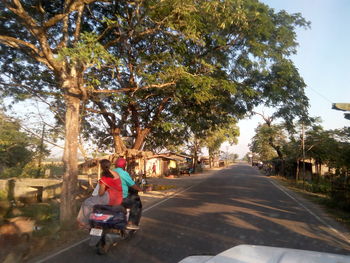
<point>323,60</point>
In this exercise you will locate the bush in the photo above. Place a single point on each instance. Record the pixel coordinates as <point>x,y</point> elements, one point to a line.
<point>56,169</point>
<point>340,194</point>
<point>11,172</point>
<point>42,212</point>
<point>31,170</point>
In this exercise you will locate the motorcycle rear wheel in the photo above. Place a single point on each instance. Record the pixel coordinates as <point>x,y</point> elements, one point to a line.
<point>103,247</point>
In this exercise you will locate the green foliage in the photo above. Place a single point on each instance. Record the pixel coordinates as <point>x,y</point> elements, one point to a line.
<point>11,172</point>
<point>41,212</point>
<point>330,147</point>
<point>224,57</point>
<point>31,170</point>
<point>15,146</point>
<point>55,169</point>
<point>167,135</point>
<point>266,140</point>
<point>88,51</point>
<point>322,186</point>
<point>214,138</point>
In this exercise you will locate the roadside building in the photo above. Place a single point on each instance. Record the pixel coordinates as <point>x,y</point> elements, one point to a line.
<point>167,164</point>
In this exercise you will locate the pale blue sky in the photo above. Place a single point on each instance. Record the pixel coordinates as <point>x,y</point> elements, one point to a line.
<point>323,61</point>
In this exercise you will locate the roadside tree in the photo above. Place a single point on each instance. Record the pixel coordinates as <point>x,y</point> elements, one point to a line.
<point>213,139</point>
<point>16,147</point>
<point>205,63</point>
<point>268,141</point>
<point>137,62</point>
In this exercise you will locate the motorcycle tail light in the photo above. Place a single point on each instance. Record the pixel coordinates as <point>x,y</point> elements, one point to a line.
<point>100,217</point>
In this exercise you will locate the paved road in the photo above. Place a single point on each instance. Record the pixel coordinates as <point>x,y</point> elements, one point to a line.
<point>236,205</point>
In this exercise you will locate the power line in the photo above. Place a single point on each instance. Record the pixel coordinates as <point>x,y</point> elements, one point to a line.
<point>318,93</point>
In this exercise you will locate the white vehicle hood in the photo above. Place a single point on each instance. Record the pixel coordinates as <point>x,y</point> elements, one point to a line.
<point>264,254</point>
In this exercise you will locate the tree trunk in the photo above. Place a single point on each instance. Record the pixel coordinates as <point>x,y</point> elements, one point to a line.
<point>140,138</point>
<point>211,159</point>
<point>70,161</point>
<point>195,155</point>
<point>119,146</point>
<point>297,171</point>
<point>280,156</point>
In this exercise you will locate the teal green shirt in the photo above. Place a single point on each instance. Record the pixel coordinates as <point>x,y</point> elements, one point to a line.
<point>126,180</point>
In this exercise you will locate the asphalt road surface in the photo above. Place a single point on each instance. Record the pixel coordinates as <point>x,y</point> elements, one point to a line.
<point>233,206</point>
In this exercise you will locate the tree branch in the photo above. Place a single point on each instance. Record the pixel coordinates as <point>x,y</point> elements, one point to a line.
<point>108,116</point>
<point>268,120</point>
<point>36,94</point>
<point>17,43</point>
<point>159,111</point>
<point>72,6</point>
<point>40,137</point>
<point>157,86</point>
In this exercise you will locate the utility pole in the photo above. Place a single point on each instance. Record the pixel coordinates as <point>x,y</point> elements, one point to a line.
<point>303,148</point>
<point>41,149</point>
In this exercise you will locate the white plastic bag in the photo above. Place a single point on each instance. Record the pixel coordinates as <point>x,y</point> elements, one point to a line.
<point>97,188</point>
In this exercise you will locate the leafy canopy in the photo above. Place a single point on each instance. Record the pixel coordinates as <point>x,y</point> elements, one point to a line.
<point>155,64</point>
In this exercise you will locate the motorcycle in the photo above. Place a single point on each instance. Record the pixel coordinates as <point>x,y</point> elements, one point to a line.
<point>108,226</point>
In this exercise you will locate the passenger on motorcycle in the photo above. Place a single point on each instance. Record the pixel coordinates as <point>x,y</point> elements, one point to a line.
<point>129,200</point>
<point>110,193</point>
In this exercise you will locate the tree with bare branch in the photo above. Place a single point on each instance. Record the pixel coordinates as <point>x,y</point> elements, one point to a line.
<point>145,65</point>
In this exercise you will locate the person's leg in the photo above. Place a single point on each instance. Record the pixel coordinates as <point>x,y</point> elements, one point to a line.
<point>135,206</point>
<point>136,210</point>
<point>86,208</point>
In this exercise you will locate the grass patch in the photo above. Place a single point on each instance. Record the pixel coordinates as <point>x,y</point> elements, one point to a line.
<point>48,235</point>
<point>41,212</point>
<point>321,199</point>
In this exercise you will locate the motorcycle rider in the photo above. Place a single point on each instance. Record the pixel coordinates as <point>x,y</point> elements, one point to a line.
<point>129,201</point>
<point>109,193</point>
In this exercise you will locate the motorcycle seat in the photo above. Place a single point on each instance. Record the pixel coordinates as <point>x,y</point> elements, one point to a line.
<point>108,209</point>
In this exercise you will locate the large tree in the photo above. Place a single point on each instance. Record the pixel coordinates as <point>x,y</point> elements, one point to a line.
<point>268,141</point>
<point>215,60</point>
<point>139,63</point>
<point>35,37</point>
<point>217,136</point>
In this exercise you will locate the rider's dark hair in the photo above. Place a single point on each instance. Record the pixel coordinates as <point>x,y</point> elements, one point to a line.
<point>105,166</point>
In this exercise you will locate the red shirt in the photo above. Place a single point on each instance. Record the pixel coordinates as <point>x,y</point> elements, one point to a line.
<point>114,189</point>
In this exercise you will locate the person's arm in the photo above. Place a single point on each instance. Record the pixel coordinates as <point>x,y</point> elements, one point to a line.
<point>131,183</point>
<point>102,189</point>
<point>115,174</point>
<point>136,187</point>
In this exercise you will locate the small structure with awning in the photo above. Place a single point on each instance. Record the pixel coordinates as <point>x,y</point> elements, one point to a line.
<point>167,164</point>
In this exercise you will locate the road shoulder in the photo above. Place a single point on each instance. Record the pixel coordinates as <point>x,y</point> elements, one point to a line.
<point>302,198</point>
